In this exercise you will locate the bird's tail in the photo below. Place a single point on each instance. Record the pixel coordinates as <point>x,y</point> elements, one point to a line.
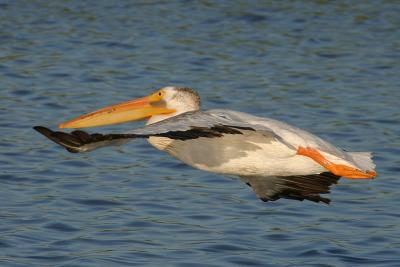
<point>363,160</point>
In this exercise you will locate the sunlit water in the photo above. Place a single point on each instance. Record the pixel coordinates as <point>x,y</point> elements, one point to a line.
<point>327,67</point>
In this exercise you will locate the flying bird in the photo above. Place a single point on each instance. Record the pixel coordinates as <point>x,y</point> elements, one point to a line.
<point>275,159</point>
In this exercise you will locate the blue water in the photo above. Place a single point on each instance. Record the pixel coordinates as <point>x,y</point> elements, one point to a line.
<point>329,67</point>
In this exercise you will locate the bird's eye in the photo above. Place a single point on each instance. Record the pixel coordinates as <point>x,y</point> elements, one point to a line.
<point>160,93</point>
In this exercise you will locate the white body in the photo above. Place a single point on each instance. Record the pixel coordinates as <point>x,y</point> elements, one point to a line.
<point>238,155</point>
<point>258,152</point>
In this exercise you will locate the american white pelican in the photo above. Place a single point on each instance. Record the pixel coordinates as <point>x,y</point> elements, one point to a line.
<point>276,159</point>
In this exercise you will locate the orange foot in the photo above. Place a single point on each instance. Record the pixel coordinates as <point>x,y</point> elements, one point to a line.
<point>337,169</point>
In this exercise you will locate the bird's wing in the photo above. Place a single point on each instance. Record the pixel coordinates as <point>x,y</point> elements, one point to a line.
<point>189,125</point>
<point>292,187</point>
<point>195,124</point>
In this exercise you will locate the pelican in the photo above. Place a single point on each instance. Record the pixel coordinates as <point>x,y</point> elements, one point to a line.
<point>275,159</point>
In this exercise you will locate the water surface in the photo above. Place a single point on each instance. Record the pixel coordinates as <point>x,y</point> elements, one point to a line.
<point>331,68</point>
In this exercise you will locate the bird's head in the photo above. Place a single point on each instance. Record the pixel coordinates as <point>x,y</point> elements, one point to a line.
<point>164,103</point>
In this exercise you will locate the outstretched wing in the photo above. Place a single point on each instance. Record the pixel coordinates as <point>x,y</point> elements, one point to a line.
<point>186,126</point>
<point>292,187</point>
<point>216,123</point>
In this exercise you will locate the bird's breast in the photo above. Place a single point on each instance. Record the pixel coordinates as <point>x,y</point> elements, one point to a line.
<point>238,155</point>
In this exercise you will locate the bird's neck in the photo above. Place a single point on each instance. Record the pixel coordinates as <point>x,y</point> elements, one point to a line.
<point>161,117</point>
<point>157,118</point>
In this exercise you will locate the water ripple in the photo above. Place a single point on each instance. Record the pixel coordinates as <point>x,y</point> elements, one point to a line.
<point>325,66</point>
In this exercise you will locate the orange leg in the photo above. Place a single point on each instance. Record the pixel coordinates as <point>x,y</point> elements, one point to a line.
<point>337,169</point>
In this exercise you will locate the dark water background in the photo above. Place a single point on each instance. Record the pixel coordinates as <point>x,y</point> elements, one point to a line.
<point>332,67</point>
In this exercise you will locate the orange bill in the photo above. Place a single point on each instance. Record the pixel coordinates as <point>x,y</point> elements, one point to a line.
<point>127,111</point>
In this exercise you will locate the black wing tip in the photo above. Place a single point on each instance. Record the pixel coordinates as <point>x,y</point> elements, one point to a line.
<point>67,141</point>
<point>77,141</point>
<point>38,127</point>
<point>43,130</point>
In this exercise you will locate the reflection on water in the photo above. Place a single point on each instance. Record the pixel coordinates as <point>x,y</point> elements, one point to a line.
<point>325,66</point>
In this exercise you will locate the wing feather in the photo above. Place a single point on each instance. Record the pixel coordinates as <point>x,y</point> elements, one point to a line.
<point>189,125</point>
<point>80,141</point>
<point>289,135</point>
<point>293,187</point>
<point>214,120</point>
